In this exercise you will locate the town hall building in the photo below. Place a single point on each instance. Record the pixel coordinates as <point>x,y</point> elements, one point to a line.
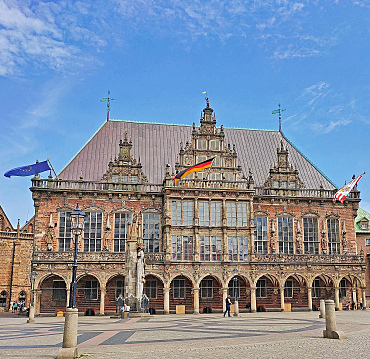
<point>259,224</point>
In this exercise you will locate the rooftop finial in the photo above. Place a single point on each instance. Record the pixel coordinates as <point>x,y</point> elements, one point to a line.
<point>279,111</point>
<point>107,100</point>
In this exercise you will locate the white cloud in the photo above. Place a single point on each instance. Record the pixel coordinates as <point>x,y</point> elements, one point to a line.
<point>328,127</point>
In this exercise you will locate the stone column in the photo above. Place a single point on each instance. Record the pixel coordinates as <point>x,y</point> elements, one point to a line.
<point>196,300</point>
<point>282,303</point>
<point>166,300</point>
<point>102,300</point>
<point>253,300</point>
<point>363,298</point>
<point>309,297</point>
<point>68,294</point>
<point>336,296</point>
<point>354,296</point>
<point>224,296</point>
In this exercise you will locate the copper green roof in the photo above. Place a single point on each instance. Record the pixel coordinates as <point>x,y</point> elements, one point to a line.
<point>361,214</point>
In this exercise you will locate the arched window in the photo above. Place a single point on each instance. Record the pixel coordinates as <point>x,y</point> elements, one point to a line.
<point>3,297</point>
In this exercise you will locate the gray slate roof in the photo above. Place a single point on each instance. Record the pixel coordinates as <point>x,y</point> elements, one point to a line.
<point>159,144</point>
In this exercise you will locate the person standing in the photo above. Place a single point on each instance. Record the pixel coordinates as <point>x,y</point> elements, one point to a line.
<point>228,303</point>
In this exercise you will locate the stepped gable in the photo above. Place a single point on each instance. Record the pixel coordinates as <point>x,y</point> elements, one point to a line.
<point>159,144</point>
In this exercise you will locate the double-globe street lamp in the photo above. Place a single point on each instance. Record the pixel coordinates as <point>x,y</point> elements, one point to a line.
<point>236,304</point>
<point>31,313</point>
<point>69,347</point>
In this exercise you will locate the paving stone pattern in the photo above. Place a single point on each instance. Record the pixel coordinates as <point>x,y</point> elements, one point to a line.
<point>259,335</point>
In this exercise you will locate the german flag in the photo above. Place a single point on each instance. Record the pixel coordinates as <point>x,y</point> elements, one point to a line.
<point>198,167</point>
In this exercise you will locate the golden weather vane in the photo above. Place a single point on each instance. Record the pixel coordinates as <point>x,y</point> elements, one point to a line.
<point>107,100</point>
<point>279,111</point>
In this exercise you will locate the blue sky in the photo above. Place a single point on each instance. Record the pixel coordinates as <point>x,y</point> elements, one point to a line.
<point>57,59</point>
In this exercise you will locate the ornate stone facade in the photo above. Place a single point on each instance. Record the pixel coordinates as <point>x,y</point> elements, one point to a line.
<point>277,245</point>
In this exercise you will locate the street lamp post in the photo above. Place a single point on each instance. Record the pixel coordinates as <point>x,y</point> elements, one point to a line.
<point>69,347</point>
<point>31,313</point>
<point>236,303</point>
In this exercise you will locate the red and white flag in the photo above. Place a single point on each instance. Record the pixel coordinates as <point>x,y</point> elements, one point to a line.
<point>345,190</point>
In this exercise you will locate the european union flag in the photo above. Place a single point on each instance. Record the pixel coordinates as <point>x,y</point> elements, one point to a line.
<point>28,170</point>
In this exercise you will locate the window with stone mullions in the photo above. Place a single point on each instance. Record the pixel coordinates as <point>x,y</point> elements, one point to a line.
<point>91,289</point>
<point>238,248</point>
<point>285,232</point>
<point>64,231</point>
<point>92,232</point>
<point>151,232</point>
<point>179,288</point>
<point>120,230</point>
<point>210,248</point>
<point>182,213</point>
<point>242,215</point>
<point>206,288</point>
<point>182,248</point>
<point>260,235</point>
<point>288,289</point>
<point>310,235</point>
<point>231,214</point>
<point>261,288</point>
<point>333,236</point>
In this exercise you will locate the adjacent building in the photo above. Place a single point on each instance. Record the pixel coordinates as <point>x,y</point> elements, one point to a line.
<point>16,246</point>
<point>260,224</point>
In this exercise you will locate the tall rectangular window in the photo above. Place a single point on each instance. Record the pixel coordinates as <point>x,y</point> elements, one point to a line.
<point>203,213</point>
<point>260,235</point>
<point>310,235</point>
<point>285,232</point>
<point>93,232</point>
<point>120,288</point>
<point>176,213</point>
<point>120,230</point>
<point>261,288</point>
<point>210,248</point>
<point>216,213</point>
<point>238,248</point>
<point>288,289</point>
<point>342,288</point>
<point>242,214</point>
<point>64,231</point>
<point>206,288</point>
<point>182,213</point>
<point>91,289</point>
<point>182,248</point>
<point>333,236</point>
<point>231,214</point>
<point>179,288</point>
<point>151,289</point>
<point>151,231</point>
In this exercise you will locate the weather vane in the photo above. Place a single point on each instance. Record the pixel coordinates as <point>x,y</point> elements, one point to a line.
<point>279,111</point>
<point>107,100</point>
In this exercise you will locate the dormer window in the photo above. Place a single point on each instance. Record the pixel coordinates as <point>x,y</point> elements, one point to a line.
<point>363,225</point>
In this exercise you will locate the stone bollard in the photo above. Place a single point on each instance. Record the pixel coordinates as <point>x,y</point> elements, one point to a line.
<point>322,309</point>
<point>331,324</point>
<point>236,309</point>
<point>31,315</point>
<point>69,347</point>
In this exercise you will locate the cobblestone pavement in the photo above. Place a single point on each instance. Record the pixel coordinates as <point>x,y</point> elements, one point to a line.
<point>258,335</point>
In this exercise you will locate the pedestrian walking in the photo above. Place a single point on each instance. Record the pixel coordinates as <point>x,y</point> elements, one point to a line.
<point>228,303</point>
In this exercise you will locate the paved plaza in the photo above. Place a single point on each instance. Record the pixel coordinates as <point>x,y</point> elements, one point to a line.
<point>258,335</point>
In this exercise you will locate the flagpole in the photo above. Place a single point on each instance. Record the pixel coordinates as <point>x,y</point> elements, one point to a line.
<point>56,176</point>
